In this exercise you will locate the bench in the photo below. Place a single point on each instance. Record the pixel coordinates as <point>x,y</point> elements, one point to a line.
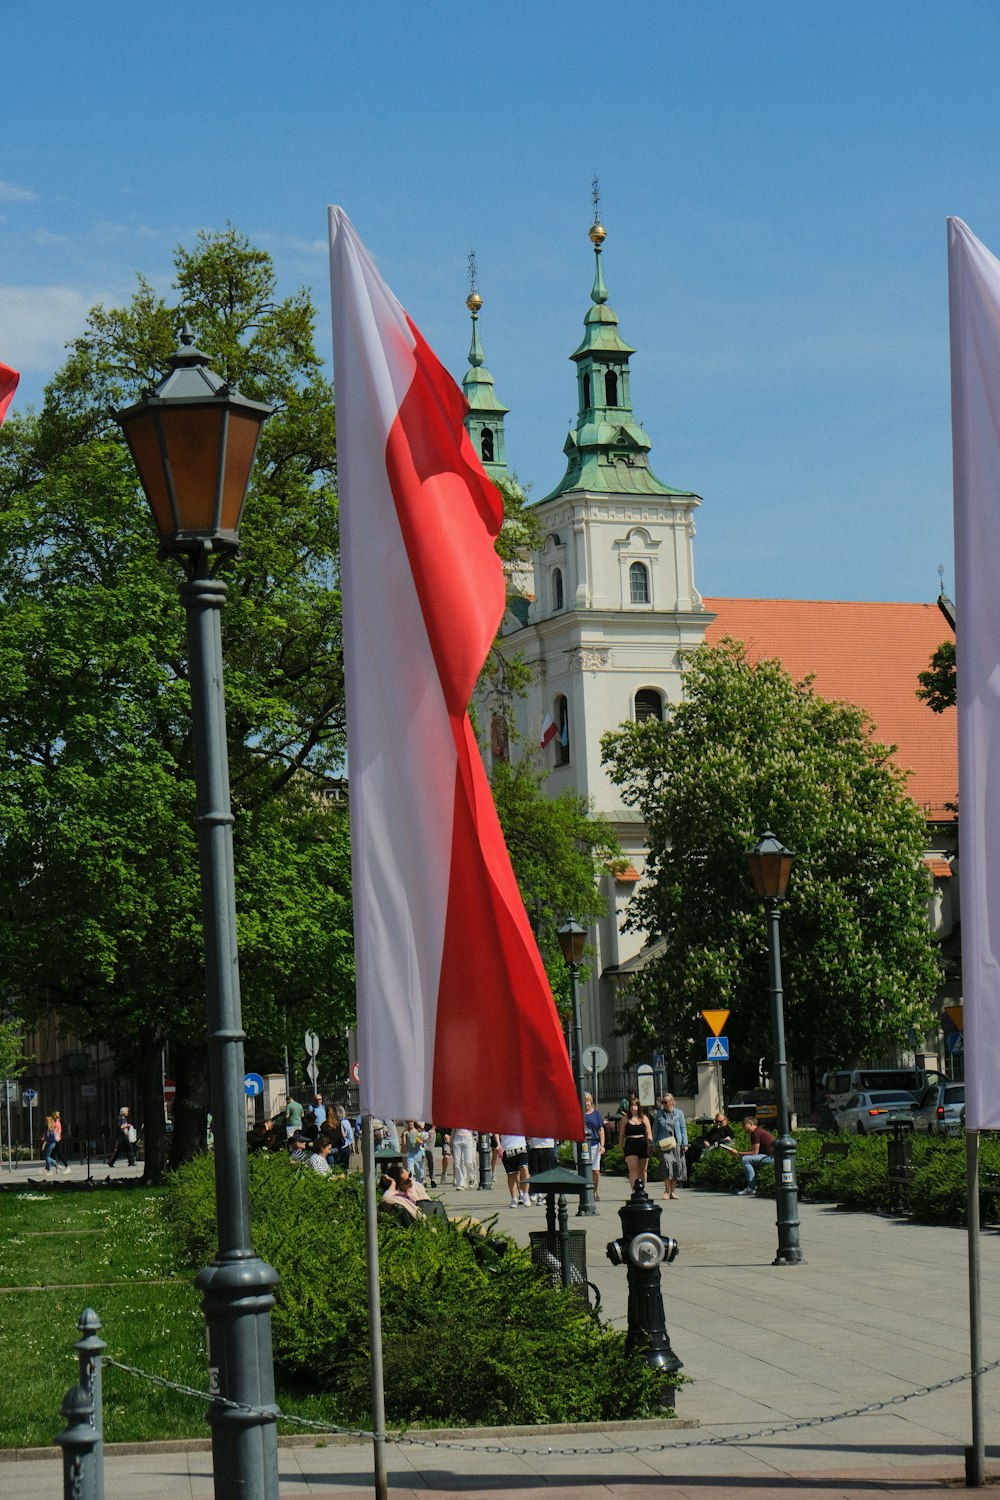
<point>989,1200</point>
<point>838,1149</point>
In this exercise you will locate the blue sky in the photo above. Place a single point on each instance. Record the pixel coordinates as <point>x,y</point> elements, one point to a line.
<point>775,181</point>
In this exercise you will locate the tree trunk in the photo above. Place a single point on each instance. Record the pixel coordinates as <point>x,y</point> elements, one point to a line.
<point>154,1135</point>
<point>189,1061</point>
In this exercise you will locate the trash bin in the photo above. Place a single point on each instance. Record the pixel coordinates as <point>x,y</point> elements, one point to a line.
<point>545,1255</point>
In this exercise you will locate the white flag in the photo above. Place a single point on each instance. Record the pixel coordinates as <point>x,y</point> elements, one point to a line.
<point>974,299</point>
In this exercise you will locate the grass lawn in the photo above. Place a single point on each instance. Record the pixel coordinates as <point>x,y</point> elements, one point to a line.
<point>113,1250</point>
<point>64,1250</point>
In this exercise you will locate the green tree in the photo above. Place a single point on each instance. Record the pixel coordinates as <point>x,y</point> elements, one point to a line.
<point>937,685</point>
<point>749,748</point>
<point>99,894</point>
<point>559,851</point>
<point>12,1059</point>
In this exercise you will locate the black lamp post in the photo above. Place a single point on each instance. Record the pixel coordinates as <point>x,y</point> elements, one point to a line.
<point>572,940</point>
<point>770,865</point>
<point>193,440</point>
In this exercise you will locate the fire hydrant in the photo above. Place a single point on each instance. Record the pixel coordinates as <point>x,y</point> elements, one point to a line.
<point>643,1250</point>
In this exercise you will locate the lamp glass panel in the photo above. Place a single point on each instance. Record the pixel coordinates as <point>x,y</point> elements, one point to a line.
<point>241,445</point>
<point>140,434</point>
<point>191,435</point>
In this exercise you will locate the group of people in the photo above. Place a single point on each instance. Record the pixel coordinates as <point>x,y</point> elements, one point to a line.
<point>323,1137</point>
<point>664,1132</point>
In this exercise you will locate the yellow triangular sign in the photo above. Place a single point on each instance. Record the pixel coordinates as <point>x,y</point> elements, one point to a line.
<point>716,1020</point>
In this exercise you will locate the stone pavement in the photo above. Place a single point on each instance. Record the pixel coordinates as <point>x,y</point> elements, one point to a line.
<point>878,1309</point>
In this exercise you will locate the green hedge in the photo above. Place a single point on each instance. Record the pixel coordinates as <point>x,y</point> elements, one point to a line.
<point>472,1332</point>
<point>860,1180</point>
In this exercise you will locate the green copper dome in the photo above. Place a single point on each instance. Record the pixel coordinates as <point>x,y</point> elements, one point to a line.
<point>606,449</point>
<point>484,419</point>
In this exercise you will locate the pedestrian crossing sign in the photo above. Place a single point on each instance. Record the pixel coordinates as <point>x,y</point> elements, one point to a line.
<point>718,1048</point>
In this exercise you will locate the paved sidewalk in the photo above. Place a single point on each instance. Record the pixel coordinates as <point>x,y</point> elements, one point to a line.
<point>878,1309</point>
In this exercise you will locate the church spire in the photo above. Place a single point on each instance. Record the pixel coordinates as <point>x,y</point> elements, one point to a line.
<point>484,419</point>
<point>606,449</point>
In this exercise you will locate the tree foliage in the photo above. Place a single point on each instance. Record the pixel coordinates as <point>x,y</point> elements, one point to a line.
<point>937,685</point>
<point>100,908</point>
<point>749,748</point>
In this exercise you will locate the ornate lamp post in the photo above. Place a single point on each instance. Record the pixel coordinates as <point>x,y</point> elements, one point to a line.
<point>193,440</point>
<point>770,865</point>
<point>572,939</point>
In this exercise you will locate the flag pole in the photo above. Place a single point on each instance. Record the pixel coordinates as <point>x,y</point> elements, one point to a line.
<point>975,1453</point>
<point>374,1309</point>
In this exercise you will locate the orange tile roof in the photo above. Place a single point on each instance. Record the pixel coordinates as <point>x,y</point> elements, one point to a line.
<point>865,654</point>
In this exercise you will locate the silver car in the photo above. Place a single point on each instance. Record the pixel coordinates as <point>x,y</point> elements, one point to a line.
<point>940,1109</point>
<point>874,1111</point>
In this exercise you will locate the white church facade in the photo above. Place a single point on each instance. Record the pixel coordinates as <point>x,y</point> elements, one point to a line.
<point>610,612</point>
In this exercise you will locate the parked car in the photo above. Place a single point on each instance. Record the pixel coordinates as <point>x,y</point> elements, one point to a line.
<point>875,1110</point>
<point>940,1109</point>
<point>757,1102</point>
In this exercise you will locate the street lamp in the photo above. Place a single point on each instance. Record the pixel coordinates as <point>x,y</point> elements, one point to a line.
<point>770,865</point>
<point>193,440</point>
<point>572,939</point>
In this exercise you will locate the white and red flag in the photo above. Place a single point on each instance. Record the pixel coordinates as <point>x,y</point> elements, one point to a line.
<point>974,298</point>
<point>456,1020</point>
<point>8,385</point>
<point>548,731</point>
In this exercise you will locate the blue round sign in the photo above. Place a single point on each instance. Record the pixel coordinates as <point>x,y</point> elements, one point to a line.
<point>253,1085</point>
<point>29,1096</point>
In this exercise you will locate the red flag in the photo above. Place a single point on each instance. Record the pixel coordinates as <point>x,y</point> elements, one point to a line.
<point>456,1020</point>
<point>8,385</point>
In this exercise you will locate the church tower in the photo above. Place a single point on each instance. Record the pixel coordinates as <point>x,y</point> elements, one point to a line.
<point>484,419</point>
<point>615,610</point>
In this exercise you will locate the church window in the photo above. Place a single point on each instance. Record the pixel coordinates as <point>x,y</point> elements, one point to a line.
<point>562,732</point>
<point>648,705</point>
<point>486,445</point>
<point>557,588</point>
<point>611,388</point>
<point>638,582</point>
<point>586,390</point>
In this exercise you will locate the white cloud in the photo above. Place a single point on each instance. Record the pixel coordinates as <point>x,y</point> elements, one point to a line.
<point>10,192</point>
<point>36,322</point>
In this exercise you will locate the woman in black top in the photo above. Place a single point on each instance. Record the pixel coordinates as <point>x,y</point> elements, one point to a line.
<point>634,1136</point>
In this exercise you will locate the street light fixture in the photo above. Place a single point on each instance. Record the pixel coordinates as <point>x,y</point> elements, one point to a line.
<point>572,940</point>
<point>193,440</point>
<point>770,865</point>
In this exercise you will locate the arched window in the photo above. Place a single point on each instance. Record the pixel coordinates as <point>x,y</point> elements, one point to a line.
<point>557,588</point>
<point>586,390</point>
<point>648,705</point>
<point>611,388</point>
<point>562,732</point>
<point>638,582</point>
<point>486,445</point>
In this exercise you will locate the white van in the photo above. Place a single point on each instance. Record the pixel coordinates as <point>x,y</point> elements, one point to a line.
<point>840,1085</point>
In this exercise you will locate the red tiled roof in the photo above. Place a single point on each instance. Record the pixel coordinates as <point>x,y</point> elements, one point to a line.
<point>865,654</point>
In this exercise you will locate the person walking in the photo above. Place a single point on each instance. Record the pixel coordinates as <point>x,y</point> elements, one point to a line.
<point>594,1122</point>
<point>57,1152</point>
<point>671,1140</point>
<point>463,1156</point>
<point>48,1143</point>
<point>515,1162</point>
<point>634,1138</point>
<point>125,1134</point>
<point>412,1145</point>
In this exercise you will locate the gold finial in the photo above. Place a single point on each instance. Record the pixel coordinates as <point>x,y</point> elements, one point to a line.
<point>597,233</point>
<point>473,301</point>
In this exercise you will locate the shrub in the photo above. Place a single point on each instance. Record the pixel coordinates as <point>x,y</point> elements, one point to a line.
<point>938,1191</point>
<point>859,1180</point>
<point>718,1172</point>
<point>472,1332</point>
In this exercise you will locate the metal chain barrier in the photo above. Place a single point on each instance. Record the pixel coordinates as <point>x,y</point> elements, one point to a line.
<point>482,1446</point>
